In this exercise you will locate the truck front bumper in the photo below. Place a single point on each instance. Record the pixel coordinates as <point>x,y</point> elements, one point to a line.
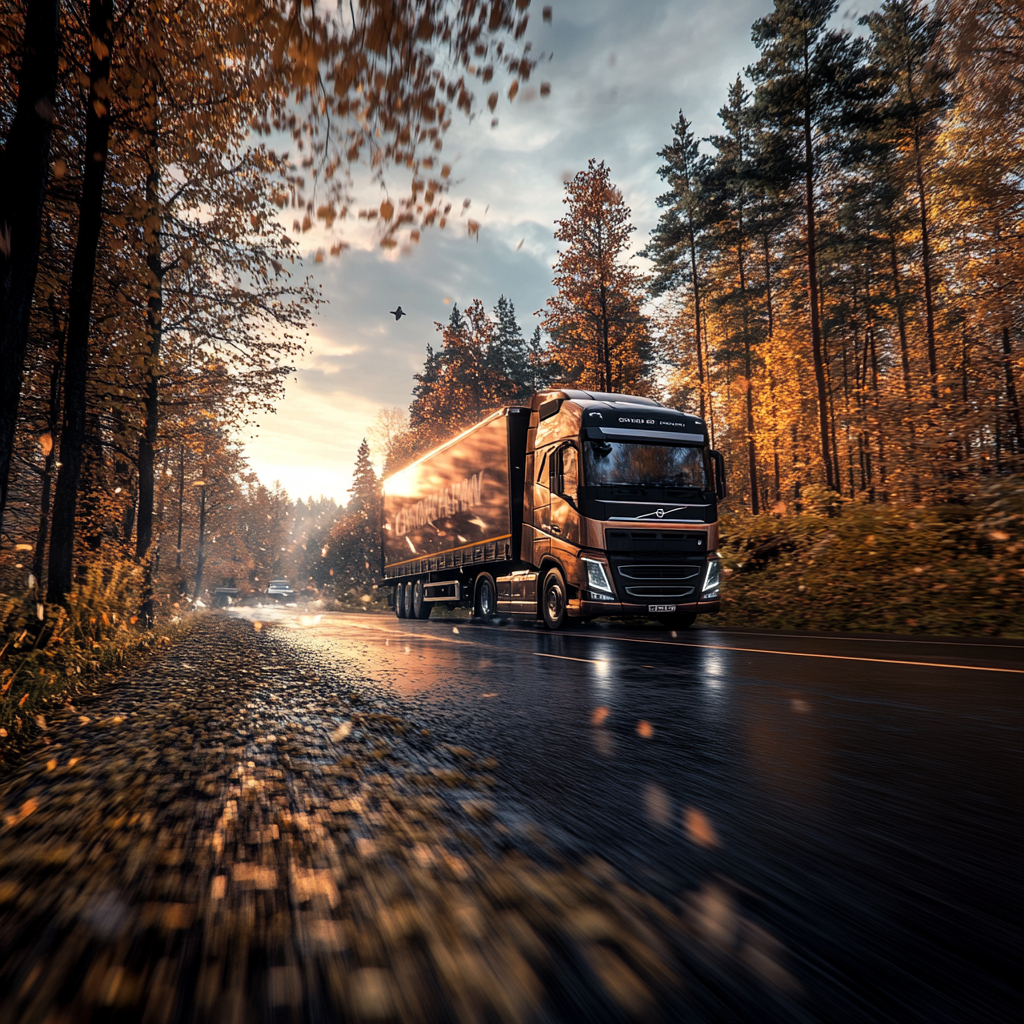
<point>585,608</point>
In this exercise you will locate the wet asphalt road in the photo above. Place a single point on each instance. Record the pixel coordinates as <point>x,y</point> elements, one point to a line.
<point>858,799</point>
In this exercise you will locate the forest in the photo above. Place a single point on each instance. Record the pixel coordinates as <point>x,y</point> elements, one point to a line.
<point>834,282</point>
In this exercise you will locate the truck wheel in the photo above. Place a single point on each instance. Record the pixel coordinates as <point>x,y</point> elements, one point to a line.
<point>400,600</point>
<point>681,620</point>
<point>420,609</point>
<point>408,601</point>
<point>553,600</point>
<point>486,604</point>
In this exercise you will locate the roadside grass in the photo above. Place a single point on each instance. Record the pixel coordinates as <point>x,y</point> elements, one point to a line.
<point>49,654</point>
<point>946,569</point>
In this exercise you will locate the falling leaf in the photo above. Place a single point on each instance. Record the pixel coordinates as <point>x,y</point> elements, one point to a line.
<point>658,804</point>
<point>46,443</point>
<point>599,715</point>
<point>999,535</point>
<point>699,828</point>
<point>455,629</point>
<point>51,764</point>
<point>546,15</point>
<point>59,167</point>
<point>520,245</point>
<point>219,888</point>
<point>257,626</point>
<point>545,88</point>
<point>41,723</point>
<point>341,732</point>
<point>644,729</point>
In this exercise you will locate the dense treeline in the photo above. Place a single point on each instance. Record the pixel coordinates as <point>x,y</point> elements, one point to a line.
<point>149,299</point>
<point>840,270</point>
<point>837,276</point>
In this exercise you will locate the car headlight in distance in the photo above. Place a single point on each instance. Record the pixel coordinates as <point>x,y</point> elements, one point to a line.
<point>597,576</point>
<point>712,578</point>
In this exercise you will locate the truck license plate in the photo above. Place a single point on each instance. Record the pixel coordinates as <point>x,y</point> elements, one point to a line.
<point>655,608</point>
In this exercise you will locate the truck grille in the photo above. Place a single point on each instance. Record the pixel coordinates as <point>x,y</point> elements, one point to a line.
<point>659,572</point>
<point>665,590</point>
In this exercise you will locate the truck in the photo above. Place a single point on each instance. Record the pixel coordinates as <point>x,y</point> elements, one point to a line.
<point>582,504</point>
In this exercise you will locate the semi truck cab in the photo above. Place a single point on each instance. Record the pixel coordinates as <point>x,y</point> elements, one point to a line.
<point>596,504</point>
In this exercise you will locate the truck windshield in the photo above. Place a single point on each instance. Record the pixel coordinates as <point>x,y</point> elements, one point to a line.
<point>619,463</point>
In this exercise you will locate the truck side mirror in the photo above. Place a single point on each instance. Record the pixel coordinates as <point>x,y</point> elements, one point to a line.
<point>720,486</point>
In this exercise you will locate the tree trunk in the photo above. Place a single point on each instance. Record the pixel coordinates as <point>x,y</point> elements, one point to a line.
<point>23,176</point>
<point>812,297</point>
<point>926,267</point>
<point>201,548</point>
<point>181,505</point>
<point>154,329</point>
<point>1012,405</point>
<point>696,313</point>
<point>83,272</point>
<point>748,384</point>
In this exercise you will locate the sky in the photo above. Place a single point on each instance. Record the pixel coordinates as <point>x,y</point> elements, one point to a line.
<point>620,72</point>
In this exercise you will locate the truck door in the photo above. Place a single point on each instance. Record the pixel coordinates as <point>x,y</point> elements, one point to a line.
<point>564,486</point>
<point>541,504</point>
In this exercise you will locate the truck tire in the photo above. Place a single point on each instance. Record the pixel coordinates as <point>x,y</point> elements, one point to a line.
<point>553,600</point>
<point>681,620</point>
<point>485,605</point>
<point>408,601</point>
<point>420,609</point>
<point>400,600</point>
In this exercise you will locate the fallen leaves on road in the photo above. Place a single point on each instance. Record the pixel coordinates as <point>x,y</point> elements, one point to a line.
<point>229,853</point>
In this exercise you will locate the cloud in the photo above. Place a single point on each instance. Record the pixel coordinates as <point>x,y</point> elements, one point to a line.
<point>668,55</point>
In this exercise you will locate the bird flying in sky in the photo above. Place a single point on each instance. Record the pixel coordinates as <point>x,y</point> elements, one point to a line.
<point>398,313</point>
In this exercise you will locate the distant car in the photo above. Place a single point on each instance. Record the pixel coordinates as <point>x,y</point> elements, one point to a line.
<point>223,597</point>
<point>280,590</point>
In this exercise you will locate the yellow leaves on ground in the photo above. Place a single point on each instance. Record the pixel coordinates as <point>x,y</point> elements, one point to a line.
<point>644,729</point>
<point>30,806</point>
<point>599,716</point>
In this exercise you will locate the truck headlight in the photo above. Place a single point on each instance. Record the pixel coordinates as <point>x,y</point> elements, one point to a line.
<point>712,578</point>
<point>597,576</point>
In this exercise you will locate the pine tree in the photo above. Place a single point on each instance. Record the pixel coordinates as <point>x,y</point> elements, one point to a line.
<point>730,202</point>
<point>676,240</point>
<point>599,333</point>
<point>364,487</point>
<point>507,355</point>
<point>808,92</point>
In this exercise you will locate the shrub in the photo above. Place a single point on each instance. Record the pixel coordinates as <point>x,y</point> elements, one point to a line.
<point>954,568</point>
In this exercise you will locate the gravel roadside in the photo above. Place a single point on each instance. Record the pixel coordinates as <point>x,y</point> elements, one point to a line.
<point>231,834</point>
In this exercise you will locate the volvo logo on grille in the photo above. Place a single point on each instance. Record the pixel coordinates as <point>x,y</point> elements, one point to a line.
<point>662,512</point>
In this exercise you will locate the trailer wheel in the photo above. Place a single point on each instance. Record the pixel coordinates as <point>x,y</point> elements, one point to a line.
<point>400,600</point>
<point>486,604</point>
<point>553,600</point>
<point>408,601</point>
<point>420,609</point>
